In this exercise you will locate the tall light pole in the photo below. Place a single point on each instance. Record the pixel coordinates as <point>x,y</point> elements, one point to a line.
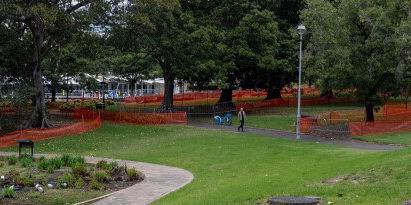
<point>301,30</point>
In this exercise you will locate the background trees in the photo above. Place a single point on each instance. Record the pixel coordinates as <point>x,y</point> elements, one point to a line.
<point>355,45</point>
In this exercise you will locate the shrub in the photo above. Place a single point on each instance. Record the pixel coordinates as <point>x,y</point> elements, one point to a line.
<point>55,162</point>
<point>101,176</point>
<point>111,166</point>
<point>2,164</point>
<point>43,164</point>
<point>67,160</point>
<point>50,169</point>
<point>79,170</point>
<point>79,183</point>
<point>13,173</point>
<point>8,192</point>
<point>27,162</point>
<point>25,180</point>
<point>132,174</point>
<point>101,164</point>
<point>60,182</point>
<point>69,179</point>
<point>42,158</point>
<point>94,184</point>
<point>11,160</point>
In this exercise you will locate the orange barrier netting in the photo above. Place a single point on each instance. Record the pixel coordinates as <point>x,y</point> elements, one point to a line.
<point>394,117</point>
<point>238,94</point>
<point>42,134</point>
<point>287,102</point>
<point>135,118</point>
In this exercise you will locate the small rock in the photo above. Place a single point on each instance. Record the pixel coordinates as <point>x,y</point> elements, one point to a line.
<point>50,186</point>
<point>64,185</point>
<point>40,189</point>
<point>37,186</point>
<point>3,178</point>
<point>329,203</point>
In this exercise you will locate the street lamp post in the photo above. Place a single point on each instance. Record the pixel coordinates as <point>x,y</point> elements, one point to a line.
<point>301,30</point>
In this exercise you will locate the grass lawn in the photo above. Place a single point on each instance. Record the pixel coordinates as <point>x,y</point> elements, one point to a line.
<point>284,118</point>
<point>388,138</point>
<point>240,168</point>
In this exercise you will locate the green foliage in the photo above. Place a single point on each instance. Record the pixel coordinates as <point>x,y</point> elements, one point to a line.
<point>96,185</point>
<point>79,170</point>
<point>8,192</point>
<point>2,164</point>
<point>58,200</point>
<point>79,160</point>
<point>101,164</point>
<point>132,174</point>
<point>13,172</point>
<point>79,183</point>
<point>43,164</point>
<point>55,162</point>
<point>69,179</point>
<point>27,162</point>
<point>358,45</point>
<point>26,180</point>
<point>101,176</point>
<point>11,160</point>
<point>67,160</point>
<point>42,158</point>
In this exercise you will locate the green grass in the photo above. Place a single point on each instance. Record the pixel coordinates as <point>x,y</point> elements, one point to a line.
<point>276,122</point>
<point>403,138</point>
<point>284,118</point>
<point>240,168</point>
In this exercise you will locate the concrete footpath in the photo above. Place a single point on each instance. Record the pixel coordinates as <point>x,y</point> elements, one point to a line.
<point>159,181</point>
<point>305,138</point>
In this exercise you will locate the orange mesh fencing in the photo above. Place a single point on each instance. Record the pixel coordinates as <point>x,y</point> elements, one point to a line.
<point>202,95</point>
<point>134,118</point>
<point>287,102</point>
<point>395,108</point>
<point>378,127</point>
<point>42,134</point>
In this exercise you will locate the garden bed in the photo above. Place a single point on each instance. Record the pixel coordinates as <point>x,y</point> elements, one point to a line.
<point>60,180</point>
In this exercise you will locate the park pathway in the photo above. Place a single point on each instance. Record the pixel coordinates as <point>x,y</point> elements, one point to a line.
<point>159,181</point>
<point>306,138</point>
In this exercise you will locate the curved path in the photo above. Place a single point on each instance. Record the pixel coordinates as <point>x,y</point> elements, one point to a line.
<point>307,138</point>
<point>159,181</point>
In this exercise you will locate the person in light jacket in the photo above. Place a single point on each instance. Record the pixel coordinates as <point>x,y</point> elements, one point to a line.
<point>242,117</point>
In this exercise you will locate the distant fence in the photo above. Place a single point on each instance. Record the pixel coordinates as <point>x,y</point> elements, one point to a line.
<point>42,134</point>
<point>394,117</point>
<point>214,94</point>
<point>134,118</point>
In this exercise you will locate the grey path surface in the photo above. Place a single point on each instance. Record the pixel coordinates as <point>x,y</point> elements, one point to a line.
<point>307,138</point>
<point>159,181</point>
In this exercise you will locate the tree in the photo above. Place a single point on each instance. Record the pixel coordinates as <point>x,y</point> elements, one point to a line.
<point>46,24</point>
<point>163,31</point>
<point>352,45</point>
<point>132,68</point>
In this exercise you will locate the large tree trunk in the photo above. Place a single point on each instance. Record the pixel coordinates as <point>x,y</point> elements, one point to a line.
<point>327,93</point>
<point>38,118</point>
<point>169,77</point>
<point>53,94</point>
<point>273,92</point>
<point>369,110</point>
<point>226,95</point>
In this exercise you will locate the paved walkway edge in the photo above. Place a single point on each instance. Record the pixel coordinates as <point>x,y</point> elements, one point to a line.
<point>159,181</point>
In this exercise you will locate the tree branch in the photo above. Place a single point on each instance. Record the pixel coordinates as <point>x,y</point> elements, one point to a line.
<point>77,6</point>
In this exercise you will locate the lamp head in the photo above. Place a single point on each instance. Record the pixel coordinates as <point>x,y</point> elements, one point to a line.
<point>301,29</point>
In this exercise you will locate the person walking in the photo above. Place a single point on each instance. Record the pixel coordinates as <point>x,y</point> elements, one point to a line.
<point>242,117</point>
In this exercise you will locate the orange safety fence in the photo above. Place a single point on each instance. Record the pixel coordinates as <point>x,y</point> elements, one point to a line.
<point>287,102</point>
<point>395,117</point>
<point>135,118</point>
<point>201,95</point>
<point>42,134</point>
